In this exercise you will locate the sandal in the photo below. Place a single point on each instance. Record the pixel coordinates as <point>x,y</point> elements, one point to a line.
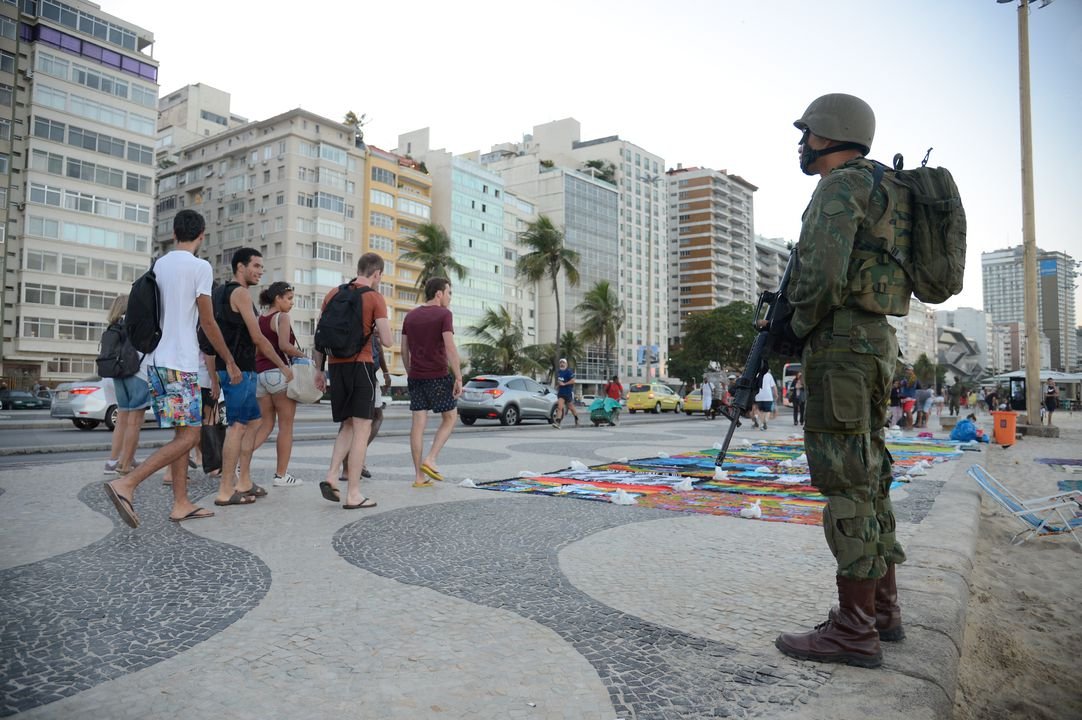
<point>255,491</point>
<point>329,493</point>
<point>365,503</point>
<point>237,498</point>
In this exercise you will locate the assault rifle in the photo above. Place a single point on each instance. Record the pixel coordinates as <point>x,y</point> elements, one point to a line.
<point>774,336</point>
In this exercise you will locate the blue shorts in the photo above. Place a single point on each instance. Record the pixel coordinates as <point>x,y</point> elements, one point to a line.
<point>568,397</point>
<point>240,403</point>
<point>132,393</point>
<point>435,394</point>
<point>765,405</point>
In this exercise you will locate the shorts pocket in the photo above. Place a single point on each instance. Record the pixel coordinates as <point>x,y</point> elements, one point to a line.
<point>845,395</point>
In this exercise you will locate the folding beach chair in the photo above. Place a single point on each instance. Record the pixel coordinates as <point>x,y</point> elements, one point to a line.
<point>1036,514</point>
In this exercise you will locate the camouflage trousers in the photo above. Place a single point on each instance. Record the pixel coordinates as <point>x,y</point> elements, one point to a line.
<point>849,362</point>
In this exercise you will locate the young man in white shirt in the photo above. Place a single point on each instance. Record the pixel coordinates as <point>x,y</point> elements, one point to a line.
<point>184,284</point>
<point>764,400</point>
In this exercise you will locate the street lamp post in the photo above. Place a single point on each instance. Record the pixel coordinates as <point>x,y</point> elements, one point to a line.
<point>1029,232</point>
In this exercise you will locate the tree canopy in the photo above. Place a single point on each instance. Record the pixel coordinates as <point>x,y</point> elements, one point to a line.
<point>432,251</point>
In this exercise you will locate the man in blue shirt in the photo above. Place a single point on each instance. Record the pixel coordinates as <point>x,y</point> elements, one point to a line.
<point>565,394</point>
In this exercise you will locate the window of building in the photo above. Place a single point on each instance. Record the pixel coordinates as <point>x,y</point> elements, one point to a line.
<point>378,197</point>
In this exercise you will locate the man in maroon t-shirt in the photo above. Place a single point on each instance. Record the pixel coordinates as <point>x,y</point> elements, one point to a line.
<point>433,374</point>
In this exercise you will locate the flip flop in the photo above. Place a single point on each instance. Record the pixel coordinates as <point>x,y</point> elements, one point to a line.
<point>237,498</point>
<point>123,507</point>
<point>328,492</point>
<point>434,474</point>
<point>191,464</point>
<point>255,491</point>
<point>366,503</point>
<point>422,483</point>
<point>197,514</point>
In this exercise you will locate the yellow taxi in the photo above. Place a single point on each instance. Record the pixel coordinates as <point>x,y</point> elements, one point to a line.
<point>653,398</point>
<point>693,401</point>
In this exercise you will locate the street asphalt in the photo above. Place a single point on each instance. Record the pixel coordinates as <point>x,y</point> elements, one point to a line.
<point>451,602</point>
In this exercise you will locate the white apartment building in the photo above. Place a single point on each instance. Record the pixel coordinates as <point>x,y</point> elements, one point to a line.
<point>1003,277</point>
<point>519,298</point>
<point>289,186</point>
<point>712,254</point>
<point>586,210</point>
<point>78,117</point>
<point>771,257</point>
<point>467,200</point>
<point>916,332</point>
<point>190,114</point>
<point>642,262</point>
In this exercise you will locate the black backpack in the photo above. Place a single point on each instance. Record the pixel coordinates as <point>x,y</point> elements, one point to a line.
<point>143,319</point>
<point>117,358</point>
<point>340,332</point>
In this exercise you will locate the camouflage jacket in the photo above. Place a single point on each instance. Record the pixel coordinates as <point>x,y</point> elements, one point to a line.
<point>834,268</point>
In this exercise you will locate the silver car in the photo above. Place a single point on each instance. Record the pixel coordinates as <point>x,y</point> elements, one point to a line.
<point>507,398</point>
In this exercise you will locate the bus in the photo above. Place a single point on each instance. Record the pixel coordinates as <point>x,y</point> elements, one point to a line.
<point>788,374</point>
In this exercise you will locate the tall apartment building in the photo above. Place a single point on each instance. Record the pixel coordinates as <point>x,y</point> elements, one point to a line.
<point>974,324</point>
<point>519,298</point>
<point>711,249</point>
<point>467,200</point>
<point>642,267</point>
<point>916,332</point>
<point>399,194</point>
<point>586,209</point>
<point>78,107</point>
<point>1003,275</point>
<point>771,257</point>
<point>291,187</point>
<point>190,114</point>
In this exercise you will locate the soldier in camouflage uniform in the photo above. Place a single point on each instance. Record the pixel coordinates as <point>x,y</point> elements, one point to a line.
<point>841,292</point>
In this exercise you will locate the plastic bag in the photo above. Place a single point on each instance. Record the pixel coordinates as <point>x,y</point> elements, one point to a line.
<point>302,387</point>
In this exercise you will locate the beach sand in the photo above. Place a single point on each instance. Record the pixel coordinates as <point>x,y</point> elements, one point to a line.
<point>1022,655</point>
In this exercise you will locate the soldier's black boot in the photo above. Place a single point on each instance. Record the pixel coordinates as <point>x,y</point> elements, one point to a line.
<point>848,636</point>
<point>888,614</point>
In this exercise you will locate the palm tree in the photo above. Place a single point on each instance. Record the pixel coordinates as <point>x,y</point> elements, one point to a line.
<point>546,258</point>
<point>432,251</point>
<point>602,316</point>
<point>572,347</point>
<point>502,334</point>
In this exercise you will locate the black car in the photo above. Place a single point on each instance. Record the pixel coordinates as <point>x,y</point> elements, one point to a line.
<point>21,400</point>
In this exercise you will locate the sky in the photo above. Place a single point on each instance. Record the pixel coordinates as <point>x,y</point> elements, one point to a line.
<point>713,83</point>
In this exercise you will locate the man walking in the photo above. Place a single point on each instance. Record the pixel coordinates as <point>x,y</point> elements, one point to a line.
<point>850,353</point>
<point>240,327</point>
<point>433,374</point>
<point>764,400</point>
<point>173,372</point>
<point>353,383</point>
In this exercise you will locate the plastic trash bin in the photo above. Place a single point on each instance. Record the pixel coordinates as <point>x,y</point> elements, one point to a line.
<point>1004,427</point>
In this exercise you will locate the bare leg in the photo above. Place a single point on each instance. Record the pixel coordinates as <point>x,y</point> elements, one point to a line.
<point>417,443</point>
<point>182,505</point>
<point>447,424</point>
<point>128,425</point>
<point>359,430</point>
<point>117,442</point>
<point>266,421</point>
<point>178,447</point>
<point>244,477</point>
<point>231,450</point>
<point>342,443</point>
<point>286,410</point>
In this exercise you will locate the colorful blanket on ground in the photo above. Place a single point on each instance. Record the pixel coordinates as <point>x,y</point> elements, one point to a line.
<point>774,473</point>
<point>1070,485</point>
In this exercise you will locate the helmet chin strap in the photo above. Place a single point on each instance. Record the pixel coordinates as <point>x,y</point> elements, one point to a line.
<point>809,156</point>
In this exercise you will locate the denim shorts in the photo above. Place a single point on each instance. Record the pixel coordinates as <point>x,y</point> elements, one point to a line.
<point>270,382</point>
<point>240,402</point>
<point>132,393</point>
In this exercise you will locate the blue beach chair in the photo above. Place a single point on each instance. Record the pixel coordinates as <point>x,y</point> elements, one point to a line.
<point>1036,514</point>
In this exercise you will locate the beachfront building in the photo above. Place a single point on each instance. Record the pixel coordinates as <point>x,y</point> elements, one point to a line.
<point>1003,275</point>
<point>712,256</point>
<point>290,186</point>
<point>78,117</point>
<point>467,201</point>
<point>586,209</point>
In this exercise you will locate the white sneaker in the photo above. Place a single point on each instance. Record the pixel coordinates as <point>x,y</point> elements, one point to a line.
<point>110,466</point>
<point>286,480</point>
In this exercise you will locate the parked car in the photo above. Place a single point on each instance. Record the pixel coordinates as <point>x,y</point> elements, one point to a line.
<point>88,403</point>
<point>21,400</point>
<point>654,398</point>
<point>693,401</point>
<point>507,398</point>
<point>47,395</point>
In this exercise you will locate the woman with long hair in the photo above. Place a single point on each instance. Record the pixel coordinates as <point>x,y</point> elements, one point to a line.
<point>274,323</point>
<point>132,400</point>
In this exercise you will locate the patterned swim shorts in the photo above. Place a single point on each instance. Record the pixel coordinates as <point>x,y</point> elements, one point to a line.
<point>175,396</point>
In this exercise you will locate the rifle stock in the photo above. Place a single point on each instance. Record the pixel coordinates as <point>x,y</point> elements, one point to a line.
<point>775,337</point>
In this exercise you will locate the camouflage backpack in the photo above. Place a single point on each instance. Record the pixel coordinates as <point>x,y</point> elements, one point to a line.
<point>927,201</point>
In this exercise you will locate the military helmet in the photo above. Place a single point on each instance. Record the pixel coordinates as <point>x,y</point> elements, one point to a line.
<point>840,117</point>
